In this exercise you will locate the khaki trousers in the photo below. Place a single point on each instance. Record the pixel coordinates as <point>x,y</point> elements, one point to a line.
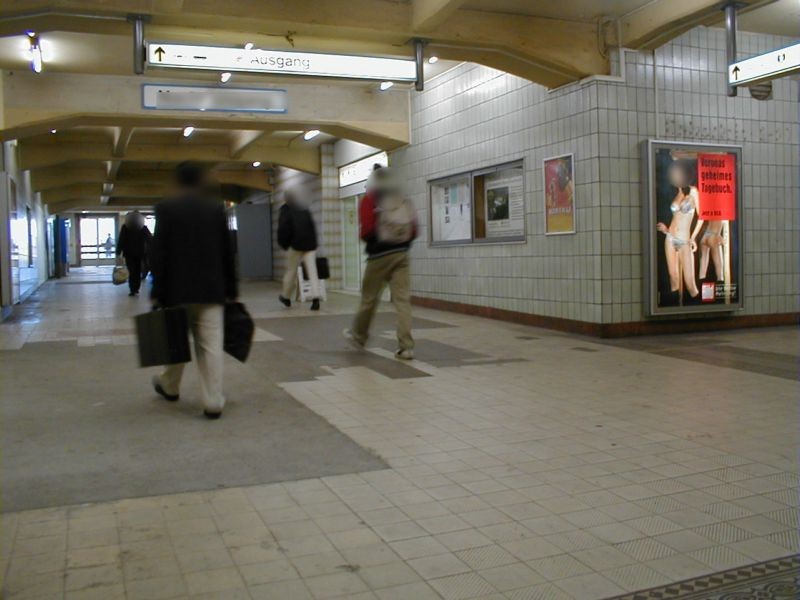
<point>293,260</point>
<point>392,269</point>
<point>206,322</point>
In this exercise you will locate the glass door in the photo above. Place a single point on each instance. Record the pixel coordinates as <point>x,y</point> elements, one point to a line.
<point>353,251</point>
<point>98,240</point>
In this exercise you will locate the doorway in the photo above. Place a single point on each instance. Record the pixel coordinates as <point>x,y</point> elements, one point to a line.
<point>353,248</point>
<point>98,240</point>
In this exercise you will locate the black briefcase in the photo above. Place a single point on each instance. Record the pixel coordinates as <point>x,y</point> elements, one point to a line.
<point>239,329</point>
<point>323,271</point>
<point>163,337</point>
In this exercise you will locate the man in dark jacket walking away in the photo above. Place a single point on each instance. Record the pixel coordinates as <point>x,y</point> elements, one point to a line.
<point>132,244</point>
<point>298,235</point>
<point>388,226</point>
<point>193,266</point>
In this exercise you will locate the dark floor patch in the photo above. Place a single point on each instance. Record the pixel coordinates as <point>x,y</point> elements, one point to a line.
<point>82,282</point>
<point>772,580</point>
<point>88,428</point>
<point>311,343</point>
<point>717,353</point>
<point>581,349</point>
<point>526,337</point>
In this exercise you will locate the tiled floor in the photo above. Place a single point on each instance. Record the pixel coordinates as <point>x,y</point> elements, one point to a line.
<point>558,468</point>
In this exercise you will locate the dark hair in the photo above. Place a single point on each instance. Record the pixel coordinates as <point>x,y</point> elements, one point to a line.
<point>190,174</point>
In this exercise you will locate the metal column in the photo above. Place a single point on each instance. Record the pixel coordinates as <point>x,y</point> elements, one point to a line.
<point>730,41</point>
<point>419,57</point>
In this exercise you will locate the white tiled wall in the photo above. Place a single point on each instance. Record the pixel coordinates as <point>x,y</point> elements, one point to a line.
<point>693,106</point>
<point>475,117</point>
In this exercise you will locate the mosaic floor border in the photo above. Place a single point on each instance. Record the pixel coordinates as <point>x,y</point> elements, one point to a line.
<point>777,579</point>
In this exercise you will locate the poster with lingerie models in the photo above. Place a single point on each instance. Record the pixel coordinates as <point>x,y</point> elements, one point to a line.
<point>693,230</point>
<point>559,195</point>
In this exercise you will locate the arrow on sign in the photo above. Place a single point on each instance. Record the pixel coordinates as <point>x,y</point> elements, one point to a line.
<point>735,72</point>
<point>159,52</point>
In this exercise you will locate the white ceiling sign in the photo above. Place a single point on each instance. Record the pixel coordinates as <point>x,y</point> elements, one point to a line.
<point>359,170</point>
<point>216,58</point>
<point>765,66</point>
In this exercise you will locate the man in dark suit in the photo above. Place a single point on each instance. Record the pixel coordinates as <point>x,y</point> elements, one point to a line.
<point>132,244</point>
<point>193,266</point>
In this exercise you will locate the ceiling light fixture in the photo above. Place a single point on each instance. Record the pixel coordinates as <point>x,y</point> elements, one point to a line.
<point>187,131</point>
<point>248,46</point>
<point>310,134</point>
<point>225,77</point>
<point>433,60</point>
<point>52,131</point>
<point>385,85</point>
<point>35,53</point>
<point>256,163</point>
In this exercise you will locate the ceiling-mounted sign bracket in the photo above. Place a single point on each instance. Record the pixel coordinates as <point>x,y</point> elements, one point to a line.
<point>138,41</point>
<point>279,62</point>
<point>764,67</point>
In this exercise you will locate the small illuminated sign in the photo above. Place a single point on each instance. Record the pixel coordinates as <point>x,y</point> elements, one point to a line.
<point>359,170</point>
<point>285,62</point>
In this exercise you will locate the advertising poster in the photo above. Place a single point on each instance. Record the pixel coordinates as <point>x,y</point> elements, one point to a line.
<point>559,195</point>
<point>693,228</point>
<point>451,211</point>
<point>505,204</point>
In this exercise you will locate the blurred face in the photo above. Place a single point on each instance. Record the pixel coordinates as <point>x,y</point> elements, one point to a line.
<point>676,175</point>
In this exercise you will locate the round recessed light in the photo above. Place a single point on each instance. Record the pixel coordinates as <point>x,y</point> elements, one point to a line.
<point>256,163</point>
<point>248,46</point>
<point>385,85</point>
<point>53,130</point>
<point>187,131</point>
<point>433,60</point>
<point>225,77</point>
<point>310,134</point>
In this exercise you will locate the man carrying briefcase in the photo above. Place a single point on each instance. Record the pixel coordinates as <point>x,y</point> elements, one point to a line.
<point>193,267</point>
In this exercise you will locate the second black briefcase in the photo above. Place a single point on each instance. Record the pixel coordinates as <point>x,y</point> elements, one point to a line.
<point>239,329</point>
<point>163,337</point>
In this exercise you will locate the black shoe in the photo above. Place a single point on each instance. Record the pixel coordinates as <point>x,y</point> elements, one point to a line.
<point>285,301</point>
<point>315,304</point>
<point>131,294</point>
<point>160,391</point>
<point>211,415</point>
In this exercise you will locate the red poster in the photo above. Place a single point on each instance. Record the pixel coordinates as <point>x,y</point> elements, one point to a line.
<point>716,182</point>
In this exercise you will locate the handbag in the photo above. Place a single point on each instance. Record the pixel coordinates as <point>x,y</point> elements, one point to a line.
<point>119,275</point>
<point>163,337</point>
<point>239,329</point>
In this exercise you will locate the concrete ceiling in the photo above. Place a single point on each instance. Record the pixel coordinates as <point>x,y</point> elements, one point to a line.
<point>779,18</point>
<point>108,151</point>
<point>573,10</point>
<point>100,167</point>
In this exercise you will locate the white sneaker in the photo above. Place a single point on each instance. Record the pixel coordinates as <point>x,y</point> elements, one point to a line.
<point>348,335</point>
<point>404,354</point>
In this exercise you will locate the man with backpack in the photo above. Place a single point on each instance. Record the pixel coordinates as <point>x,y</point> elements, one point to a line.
<point>388,225</point>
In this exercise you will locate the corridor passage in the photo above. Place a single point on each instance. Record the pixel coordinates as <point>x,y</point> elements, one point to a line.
<point>506,462</point>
